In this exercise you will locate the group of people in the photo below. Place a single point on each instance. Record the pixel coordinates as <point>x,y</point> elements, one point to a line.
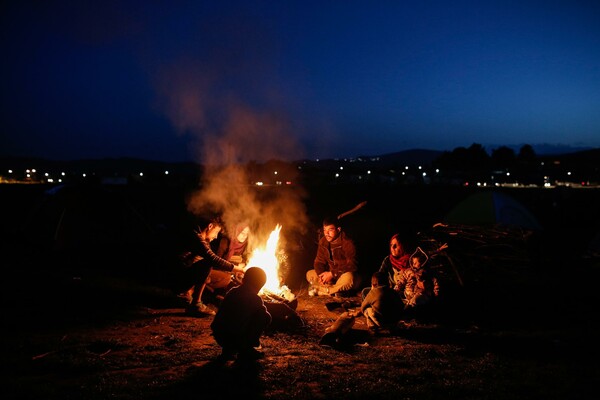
<point>242,316</point>
<point>403,280</point>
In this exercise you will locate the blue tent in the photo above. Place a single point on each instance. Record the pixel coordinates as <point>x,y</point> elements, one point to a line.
<point>492,208</point>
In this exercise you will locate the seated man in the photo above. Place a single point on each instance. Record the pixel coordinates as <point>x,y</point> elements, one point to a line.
<point>335,267</point>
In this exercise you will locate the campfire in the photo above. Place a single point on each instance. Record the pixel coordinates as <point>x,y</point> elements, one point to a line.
<point>266,258</point>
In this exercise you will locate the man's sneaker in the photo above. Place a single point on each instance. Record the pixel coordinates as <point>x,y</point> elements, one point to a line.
<point>199,309</point>
<point>323,291</point>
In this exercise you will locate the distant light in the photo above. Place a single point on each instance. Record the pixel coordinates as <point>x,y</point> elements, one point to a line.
<point>406,167</point>
<point>275,172</point>
<point>29,176</point>
<point>141,174</point>
<point>337,175</point>
<point>369,172</point>
<point>259,183</point>
<point>342,167</point>
<point>424,173</point>
<point>33,170</point>
<point>84,175</point>
<point>59,180</point>
<point>50,180</point>
<point>166,172</point>
<point>288,182</point>
<point>45,174</point>
<point>569,173</point>
<point>419,167</point>
<point>10,171</point>
<point>62,173</point>
<point>28,170</point>
<point>437,170</point>
<point>508,174</point>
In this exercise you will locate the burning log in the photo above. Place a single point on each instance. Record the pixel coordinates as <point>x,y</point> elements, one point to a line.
<point>282,309</point>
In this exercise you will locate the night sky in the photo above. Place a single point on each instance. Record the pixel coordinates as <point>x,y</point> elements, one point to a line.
<point>252,80</point>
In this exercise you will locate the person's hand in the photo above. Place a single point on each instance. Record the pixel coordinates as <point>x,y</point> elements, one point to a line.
<point>239,269</point>
<point>326,277</point>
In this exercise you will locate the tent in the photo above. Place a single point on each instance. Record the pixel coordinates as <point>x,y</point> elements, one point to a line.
<point>492,208</point>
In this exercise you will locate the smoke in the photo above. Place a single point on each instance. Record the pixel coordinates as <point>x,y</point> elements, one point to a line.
<point>240,134</point>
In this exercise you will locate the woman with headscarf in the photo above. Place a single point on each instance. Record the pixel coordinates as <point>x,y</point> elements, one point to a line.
<point>233,249</point>
<point>394,266</point>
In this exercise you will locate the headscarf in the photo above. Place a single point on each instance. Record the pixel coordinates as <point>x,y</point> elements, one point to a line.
<point>235,246</point>
<point>400,262</point>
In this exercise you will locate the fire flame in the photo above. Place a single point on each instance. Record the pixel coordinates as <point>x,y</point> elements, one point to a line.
<point>266,258</point>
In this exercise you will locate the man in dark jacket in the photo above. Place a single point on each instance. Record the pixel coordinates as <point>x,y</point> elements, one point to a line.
<point>335,268</point>
<point>197,260</point>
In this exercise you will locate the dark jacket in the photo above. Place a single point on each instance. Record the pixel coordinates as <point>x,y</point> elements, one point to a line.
<point>199,250</point>
<point>241,318</point>
<point>339,256</point>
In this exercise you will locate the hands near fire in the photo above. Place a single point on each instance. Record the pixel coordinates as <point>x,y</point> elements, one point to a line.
<point>238,271</point>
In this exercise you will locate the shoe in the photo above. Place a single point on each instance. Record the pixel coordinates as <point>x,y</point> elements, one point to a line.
<point>250,355</point>
<point>199,309</point>
<point>323,291</point>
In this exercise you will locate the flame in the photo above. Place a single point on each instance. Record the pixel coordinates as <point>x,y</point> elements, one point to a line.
<point>266,258</point>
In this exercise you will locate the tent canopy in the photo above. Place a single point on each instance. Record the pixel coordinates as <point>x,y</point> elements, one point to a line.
<point>492,208</point>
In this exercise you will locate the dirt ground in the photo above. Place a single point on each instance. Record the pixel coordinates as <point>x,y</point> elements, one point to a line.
<point>137,343</point>
<point>79,328</point>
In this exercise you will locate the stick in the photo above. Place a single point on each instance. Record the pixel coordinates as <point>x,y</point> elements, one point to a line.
<point>355,209</point>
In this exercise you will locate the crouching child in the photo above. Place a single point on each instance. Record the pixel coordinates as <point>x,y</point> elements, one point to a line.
<point>242,318</point>
<point>382,306</point>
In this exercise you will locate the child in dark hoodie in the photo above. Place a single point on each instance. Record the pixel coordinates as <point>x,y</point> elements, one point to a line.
<point>242,318</point>
<point>382,306</point>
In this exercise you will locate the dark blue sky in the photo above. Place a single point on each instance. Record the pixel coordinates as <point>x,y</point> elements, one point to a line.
<point>239,80</point>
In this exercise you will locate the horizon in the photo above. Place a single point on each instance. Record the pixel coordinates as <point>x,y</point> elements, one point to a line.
<point>540,150</point>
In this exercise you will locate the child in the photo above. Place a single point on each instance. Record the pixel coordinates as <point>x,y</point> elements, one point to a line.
<point>423,285</point>
<point>242,318</point>
<point>382,306</point>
